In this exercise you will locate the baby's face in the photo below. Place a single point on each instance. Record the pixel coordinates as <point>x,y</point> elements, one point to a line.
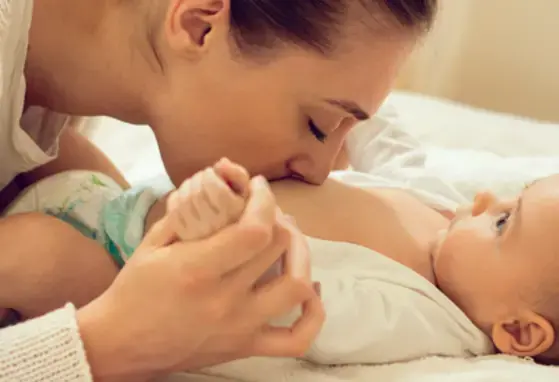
<point>498,255</point>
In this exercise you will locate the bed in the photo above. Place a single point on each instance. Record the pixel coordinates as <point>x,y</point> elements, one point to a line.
<point>470,148</point>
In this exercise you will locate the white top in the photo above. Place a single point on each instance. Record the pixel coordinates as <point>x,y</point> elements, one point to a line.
<point>29,141</point>
<point>45,349</point>
<point>48,348</point>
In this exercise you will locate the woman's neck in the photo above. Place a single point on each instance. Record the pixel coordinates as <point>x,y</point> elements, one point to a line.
<point>89,57</point>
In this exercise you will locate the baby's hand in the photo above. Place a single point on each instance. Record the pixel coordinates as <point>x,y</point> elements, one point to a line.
<point>209,201</point>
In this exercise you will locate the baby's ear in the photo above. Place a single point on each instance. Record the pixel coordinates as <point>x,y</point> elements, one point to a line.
<point>528,335</point>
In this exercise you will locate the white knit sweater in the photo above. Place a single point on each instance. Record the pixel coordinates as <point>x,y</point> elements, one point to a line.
<point>45,349</point>
<point>48,348</point>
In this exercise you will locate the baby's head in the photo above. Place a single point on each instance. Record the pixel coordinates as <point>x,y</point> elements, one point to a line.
<point>499,262</point>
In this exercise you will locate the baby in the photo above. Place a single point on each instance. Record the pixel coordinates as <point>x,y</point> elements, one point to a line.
<point>399,279</point>
<point>495,260</point>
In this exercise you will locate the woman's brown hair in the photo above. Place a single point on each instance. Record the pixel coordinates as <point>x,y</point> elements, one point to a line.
<point>313,23</point>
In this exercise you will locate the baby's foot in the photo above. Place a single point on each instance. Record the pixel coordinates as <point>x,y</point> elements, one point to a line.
<point>209,201</point>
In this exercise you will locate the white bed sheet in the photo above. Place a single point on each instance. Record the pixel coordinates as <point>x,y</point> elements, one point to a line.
<point>464,146</point>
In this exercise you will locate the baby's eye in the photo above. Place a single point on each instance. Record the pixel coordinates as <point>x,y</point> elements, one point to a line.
<point>501,222</point>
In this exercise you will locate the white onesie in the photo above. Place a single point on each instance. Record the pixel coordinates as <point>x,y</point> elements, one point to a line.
<point>379,311</point>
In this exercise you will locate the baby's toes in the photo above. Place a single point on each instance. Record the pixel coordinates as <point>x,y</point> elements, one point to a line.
<point>185,213</point>
<point>234,175</point>
<point>226,204</point>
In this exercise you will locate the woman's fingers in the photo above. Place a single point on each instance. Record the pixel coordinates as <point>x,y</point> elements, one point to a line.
<point>161,234</point>
<point>297,259</point>
<point>261,206</point>
<point>280,297</point>
<point>253,271</point>
<point>292,341</point>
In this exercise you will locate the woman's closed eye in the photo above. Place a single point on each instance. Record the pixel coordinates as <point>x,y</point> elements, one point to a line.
<point>318,134</point>
<point>501,222</point>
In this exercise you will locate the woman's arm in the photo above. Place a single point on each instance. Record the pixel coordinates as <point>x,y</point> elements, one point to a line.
<point>76,152</point>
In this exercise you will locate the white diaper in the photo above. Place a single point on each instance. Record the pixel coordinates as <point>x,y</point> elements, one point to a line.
<point>95,205</point>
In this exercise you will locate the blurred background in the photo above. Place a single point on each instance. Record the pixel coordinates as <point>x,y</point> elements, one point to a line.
<point>501,55</point>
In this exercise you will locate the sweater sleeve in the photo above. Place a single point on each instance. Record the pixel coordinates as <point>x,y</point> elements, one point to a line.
<point>48,348</point>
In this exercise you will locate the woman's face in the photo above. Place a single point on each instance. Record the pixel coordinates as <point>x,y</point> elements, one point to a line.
<point>286,116</point>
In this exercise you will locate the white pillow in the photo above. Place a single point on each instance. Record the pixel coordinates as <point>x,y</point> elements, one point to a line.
<point>385,147</point>
<point>471,171</point>
<point>441,123</point>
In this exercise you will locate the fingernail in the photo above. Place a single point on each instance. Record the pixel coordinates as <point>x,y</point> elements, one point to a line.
<point>317,288</point>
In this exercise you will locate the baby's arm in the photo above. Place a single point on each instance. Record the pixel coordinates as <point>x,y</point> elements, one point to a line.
<point>46,263</point>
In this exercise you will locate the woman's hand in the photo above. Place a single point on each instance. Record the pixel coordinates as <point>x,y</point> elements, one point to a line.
<point>189,305</point>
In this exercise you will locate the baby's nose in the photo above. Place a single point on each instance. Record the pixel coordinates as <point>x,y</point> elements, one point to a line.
<point>482,202</point>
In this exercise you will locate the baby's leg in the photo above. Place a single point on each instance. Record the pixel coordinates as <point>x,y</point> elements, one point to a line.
<point>209,201</point>
<point>45,263</point>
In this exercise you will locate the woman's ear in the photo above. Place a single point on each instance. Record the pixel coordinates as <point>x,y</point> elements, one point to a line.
<point>191,24</point>
<point>526,336</point>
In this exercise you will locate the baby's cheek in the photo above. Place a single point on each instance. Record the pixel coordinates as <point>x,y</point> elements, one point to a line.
<point>452,252</point>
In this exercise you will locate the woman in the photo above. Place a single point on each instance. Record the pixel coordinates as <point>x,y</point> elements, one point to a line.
<point>274,85</point>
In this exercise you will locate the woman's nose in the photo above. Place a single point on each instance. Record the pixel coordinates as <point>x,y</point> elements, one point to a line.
<point>315,166</point>
<point>315,163</point>
<point>482,202</point>
<point>310,169</point>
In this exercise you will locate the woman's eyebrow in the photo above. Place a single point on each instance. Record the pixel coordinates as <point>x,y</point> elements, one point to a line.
<point>350,107</point>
